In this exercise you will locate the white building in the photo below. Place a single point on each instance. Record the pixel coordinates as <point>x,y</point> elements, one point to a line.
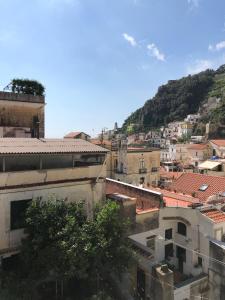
<point>175,258</point>
<point>69,169</point>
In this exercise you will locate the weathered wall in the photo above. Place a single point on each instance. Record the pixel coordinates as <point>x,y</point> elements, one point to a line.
<point>85,191</point>
<point>146,199</point>
<point>131,161</point>
<point>18,111</point>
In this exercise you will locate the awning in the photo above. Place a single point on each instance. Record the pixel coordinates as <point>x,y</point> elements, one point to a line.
<point>209,165</point>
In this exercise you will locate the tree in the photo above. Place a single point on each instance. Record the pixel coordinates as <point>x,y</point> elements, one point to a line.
<point>63,245</point>
<point>26,86</point>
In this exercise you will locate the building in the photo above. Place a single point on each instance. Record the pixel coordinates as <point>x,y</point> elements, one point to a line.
<point>22,115</point>
<point>177,129</point>
<point>174,260</point>
<point>197,153</point>
<point>138,165</point>
<point>68,169</point>
<point>182,153</point>
<point>200,186</point>
<point>214,167</point>
<point>218,147</point>
<point>192,118</point>
<point>134,165</point>
<point>77,135</point>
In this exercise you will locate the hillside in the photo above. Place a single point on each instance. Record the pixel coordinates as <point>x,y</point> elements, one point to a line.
<point>178,98</point>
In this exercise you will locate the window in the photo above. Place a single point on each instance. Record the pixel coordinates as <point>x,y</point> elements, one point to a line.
<point>142,163</point>
<point>181,228</point>
<point>150,243</point>
<point>17,213</point>
<point>199,261</point>
<point>168,251</point>
<point>169,234</point>
<point>203,187</point>
<point>115,164</point>
<point>196,154</point>
<point>181,253</point>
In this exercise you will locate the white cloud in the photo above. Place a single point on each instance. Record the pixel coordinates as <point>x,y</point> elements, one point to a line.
<point>130,39</point>
<point>217,47</point>
<point>200,65</point>
<point>193,3</point>
<point>154,51</point>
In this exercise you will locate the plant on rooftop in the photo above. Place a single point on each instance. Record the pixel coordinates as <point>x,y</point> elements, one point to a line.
<point>26,86</point>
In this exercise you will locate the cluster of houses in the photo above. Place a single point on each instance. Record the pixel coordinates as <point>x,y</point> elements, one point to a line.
<point>172,193</point>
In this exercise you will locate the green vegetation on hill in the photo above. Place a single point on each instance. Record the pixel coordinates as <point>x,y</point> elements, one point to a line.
<point>178,98</point>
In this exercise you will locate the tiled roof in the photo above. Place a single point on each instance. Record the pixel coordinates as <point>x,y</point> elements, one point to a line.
<point>176,202</point>
<point>169,175</point>
<point>217,216</point>
<point>74,134</point>
<point>220,143</point>
<point>31,145</point>
<point>176,199</point>
<point>197,146</point>
<point>191,182</point>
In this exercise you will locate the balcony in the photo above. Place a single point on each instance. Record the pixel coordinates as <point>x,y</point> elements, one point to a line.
<point>142,170</point>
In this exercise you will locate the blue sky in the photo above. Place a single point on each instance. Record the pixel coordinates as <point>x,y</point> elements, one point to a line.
<point>100,60</point>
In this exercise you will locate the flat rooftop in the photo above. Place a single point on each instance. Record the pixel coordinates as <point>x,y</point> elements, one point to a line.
<point>9,96</point>
<point>47,146</point>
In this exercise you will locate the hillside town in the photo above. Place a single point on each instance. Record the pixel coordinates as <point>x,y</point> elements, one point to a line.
<point>172,192</point>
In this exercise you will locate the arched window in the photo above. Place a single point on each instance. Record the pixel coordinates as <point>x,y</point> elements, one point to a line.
<point>181,228</point>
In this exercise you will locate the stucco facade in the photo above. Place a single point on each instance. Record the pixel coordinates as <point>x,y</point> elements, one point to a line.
<point>76,174</point>
<point>138,167</point>
<point>21,115</point>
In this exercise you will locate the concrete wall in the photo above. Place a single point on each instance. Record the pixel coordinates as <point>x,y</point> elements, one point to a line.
<point>19,114</point>
<point>41,177</point>
<point>217,272</point>
<point>74,184</point>
<point>85,191</point>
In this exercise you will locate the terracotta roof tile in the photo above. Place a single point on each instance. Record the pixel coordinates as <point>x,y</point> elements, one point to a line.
<point>176,202</point>
<point>217,216</point>
<point>220,143</point>
<point>190,183</point>
<point>197,146</point>
<point>74,134</point>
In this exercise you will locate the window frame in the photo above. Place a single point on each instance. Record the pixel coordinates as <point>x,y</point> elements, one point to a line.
<point>17,215</point>
<point>182,228</point>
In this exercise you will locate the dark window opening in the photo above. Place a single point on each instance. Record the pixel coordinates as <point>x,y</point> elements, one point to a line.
<point>181,228</point>
<point>140,284</point>
<point>199,261</point>
<point>181,253</point>
<point>169,234</point>
<point>168,251</point>
<point>17,213</point>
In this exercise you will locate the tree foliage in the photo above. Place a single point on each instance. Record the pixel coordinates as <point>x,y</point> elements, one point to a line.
<point>26,86</point>
<point>173,101</point>
<point>63,245</point>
